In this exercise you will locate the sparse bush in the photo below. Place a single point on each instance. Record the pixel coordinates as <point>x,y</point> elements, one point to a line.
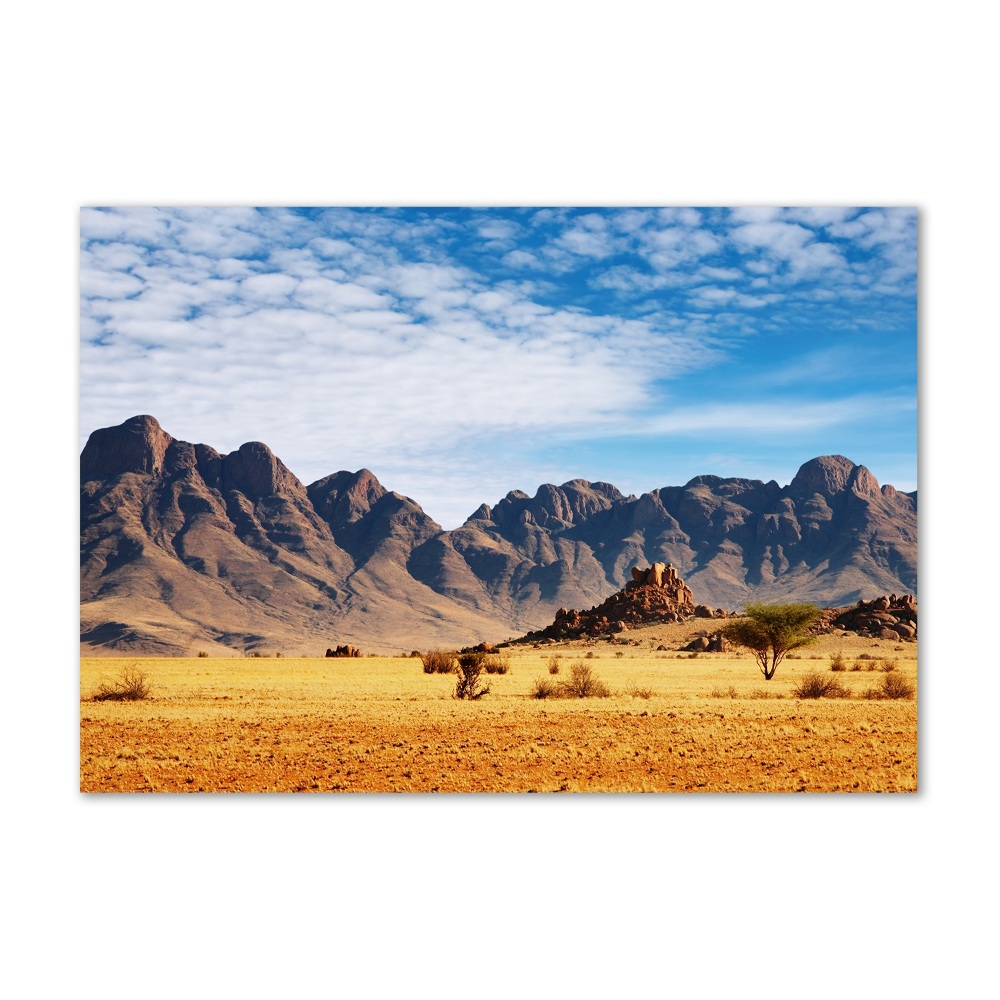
<point>590,654</point>
<point>855,666</point>
<point>496,663</point>
<point>470,668</point>
<point>554,664</point>
<point>619,654</point>
<point>719,693</point>
<point>893,686</point>
<point>438,661</point>
<point>202,653</point>
<point>544,688</point>
<point>764,693</point>
<point>889,665</point>
<point>837,662</point>
<point>815,685</point>
<point>638,692</point>
<point>583,684</point>
<point>131,685</point>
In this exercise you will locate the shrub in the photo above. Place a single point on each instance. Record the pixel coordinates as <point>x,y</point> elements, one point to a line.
<point>131,685</point>
<point>544,688</point>
<point>837,662</point>
<point>719,693</point>
<point>855,666</point>
<point>638,692</point>
<point>619,654</point>
<point>893,686</point>
<point>590,654</point>
<point>764,693</point>
<point>470,667</point>
<point>583,684</point>
<point>815,685</point>
<point>438,661</point>
<point>496,663</point>
<point>889,665</point>
<point>202,653</point>
<point>553,664</point>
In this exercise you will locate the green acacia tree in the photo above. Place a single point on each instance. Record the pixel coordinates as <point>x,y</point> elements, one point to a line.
<point>770,631</point>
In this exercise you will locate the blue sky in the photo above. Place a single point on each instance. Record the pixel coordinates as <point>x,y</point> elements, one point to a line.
<point>461,353</point>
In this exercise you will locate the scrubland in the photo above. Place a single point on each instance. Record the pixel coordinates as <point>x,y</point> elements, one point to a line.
<point>673,722</point>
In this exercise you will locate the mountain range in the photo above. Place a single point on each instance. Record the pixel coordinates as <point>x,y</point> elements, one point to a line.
<point>183,550</point>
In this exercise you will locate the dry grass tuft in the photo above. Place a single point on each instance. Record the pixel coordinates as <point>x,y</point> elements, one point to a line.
<point>638,692</point>
<point>815,685</point>
<point>893,686</point>
<point>496,663</point>
<point>131,685</point>
<point>719,693</point>
<point>544,688</point>
<point>438,661</point>
<point>583,683</point>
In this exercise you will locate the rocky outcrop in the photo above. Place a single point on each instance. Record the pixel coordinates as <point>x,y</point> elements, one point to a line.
<point>349,651</point>
<point>886,617</point>
<point>654,595</point>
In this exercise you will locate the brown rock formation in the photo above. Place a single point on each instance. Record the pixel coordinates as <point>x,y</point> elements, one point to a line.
<point>886,617</point>
<point>655,594</point>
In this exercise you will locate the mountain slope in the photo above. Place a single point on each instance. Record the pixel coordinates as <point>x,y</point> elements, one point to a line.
<point>182,547</point>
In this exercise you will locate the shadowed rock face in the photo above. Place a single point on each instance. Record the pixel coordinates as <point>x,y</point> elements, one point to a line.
<point>138,445</point>
<point>255,472</point>
<point>234,545</point>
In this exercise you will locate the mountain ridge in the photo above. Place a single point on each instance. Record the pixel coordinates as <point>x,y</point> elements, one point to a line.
<point>183,547</point>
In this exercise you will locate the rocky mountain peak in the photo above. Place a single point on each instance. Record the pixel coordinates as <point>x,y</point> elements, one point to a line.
<point>346,497</point>
<point>827,475</point>
<point>256,472</point>
<point>138,445</point>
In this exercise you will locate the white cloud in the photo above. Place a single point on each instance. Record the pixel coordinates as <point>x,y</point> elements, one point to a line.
<point>521,259</point>
<point>788,417</point>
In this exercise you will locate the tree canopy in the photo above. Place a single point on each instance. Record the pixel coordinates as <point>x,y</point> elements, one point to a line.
<point>770,631</point>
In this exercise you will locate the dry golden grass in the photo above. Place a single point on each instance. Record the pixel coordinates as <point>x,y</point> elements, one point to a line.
<point>375,724</point>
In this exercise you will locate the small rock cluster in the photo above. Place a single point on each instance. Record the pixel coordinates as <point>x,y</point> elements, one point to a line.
<point>886,617</point>
<point>707,644</point>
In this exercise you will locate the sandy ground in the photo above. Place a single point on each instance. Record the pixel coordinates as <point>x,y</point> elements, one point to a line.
<point>376,724</point>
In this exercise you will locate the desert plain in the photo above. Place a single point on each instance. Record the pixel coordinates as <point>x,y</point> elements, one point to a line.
<point>673,722</point>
